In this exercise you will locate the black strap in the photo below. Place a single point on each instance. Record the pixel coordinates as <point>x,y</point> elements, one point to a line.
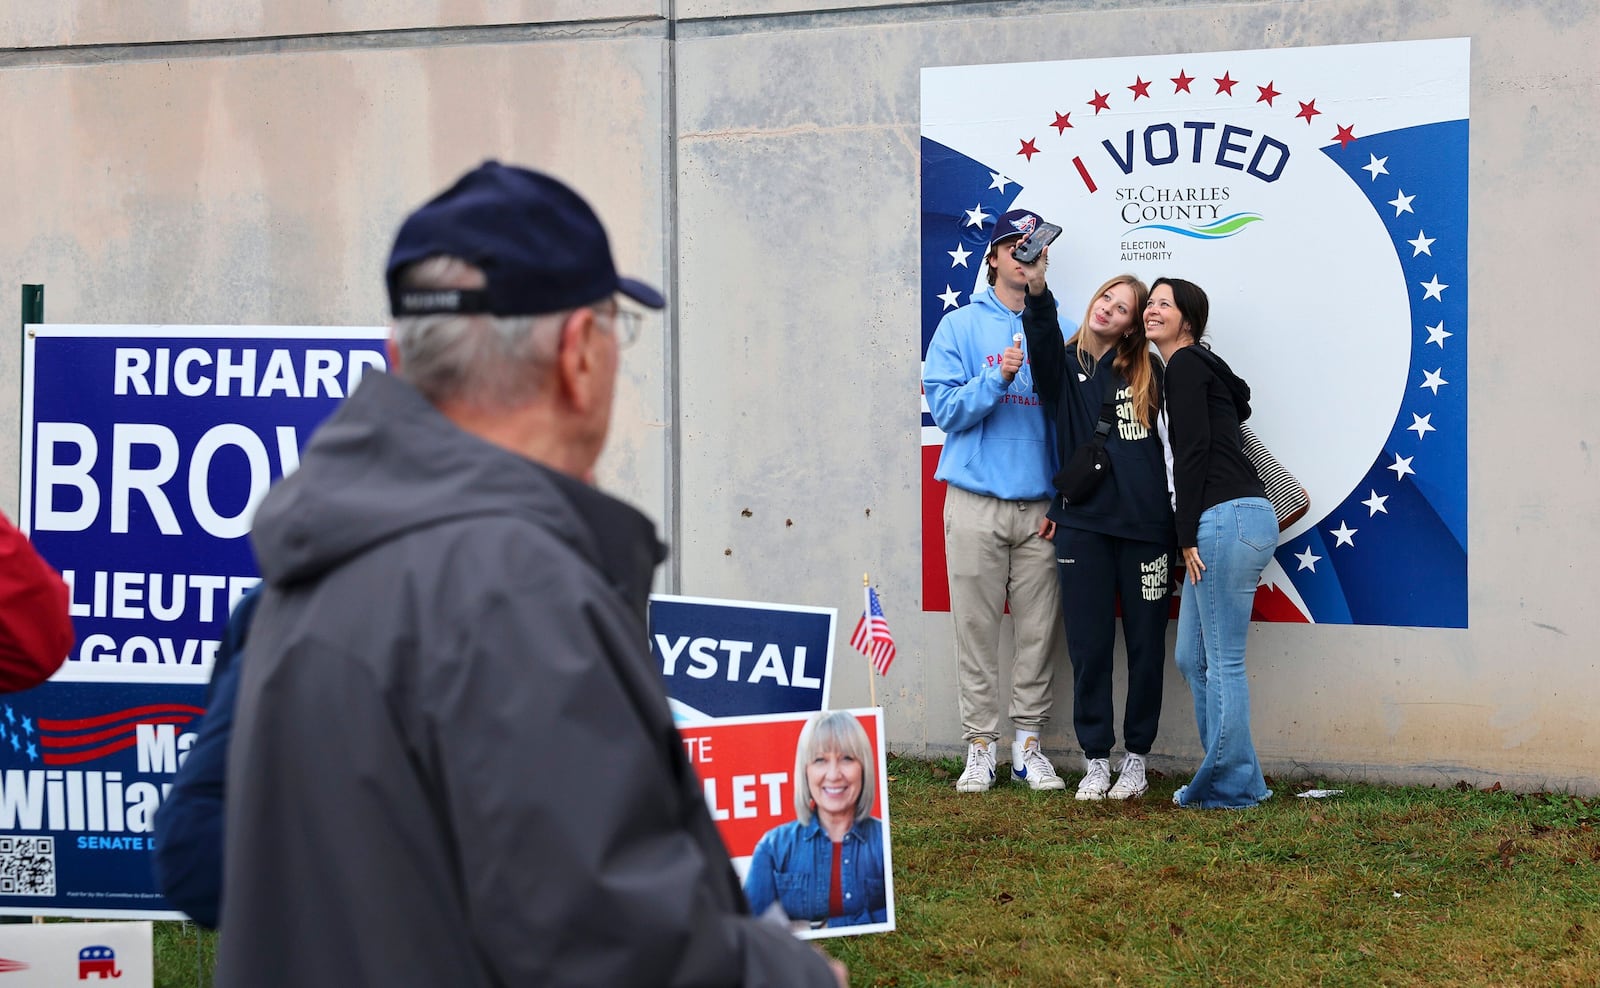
<point>1102,429</point>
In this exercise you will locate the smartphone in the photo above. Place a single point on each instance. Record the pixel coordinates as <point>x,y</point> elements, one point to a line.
<point>1034,243</point>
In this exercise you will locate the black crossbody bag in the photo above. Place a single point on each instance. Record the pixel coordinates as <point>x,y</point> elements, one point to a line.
<point>1089,464</point>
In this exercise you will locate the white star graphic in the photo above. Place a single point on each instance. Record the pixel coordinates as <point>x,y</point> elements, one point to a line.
<point>1420,424</point>
<point>1436,334</point>
<point>1401,466</point>
<point>1344,534</point>
<point>1402,204</point>
<point>951,298</point>
<point>958,257</point>
<point>1376,503</point>
<point>1433,289</point>
<point>1422,245</point>
<point>1307,560</point>
<point>976,216</point>
<point>1375,166</point>
<point>1433,381</point>
<point>999,181</point>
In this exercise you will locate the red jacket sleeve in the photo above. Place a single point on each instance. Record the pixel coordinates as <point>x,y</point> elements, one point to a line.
<point>35,626</point>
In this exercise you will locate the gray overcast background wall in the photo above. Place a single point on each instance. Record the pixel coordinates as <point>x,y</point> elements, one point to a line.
<point>248,165</point>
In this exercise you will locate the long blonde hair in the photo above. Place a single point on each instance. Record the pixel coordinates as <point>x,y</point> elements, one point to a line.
<point>1132,362</point>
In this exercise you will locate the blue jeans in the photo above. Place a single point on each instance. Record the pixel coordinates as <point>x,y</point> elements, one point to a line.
<point>1236,540</point>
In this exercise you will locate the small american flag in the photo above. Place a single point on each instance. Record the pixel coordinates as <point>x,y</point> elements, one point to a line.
<point>872,636</point>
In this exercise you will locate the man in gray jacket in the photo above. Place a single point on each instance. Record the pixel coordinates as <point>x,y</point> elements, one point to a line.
<point>453,762</point>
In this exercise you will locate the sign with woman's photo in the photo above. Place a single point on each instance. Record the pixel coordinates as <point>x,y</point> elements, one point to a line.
<point>802,803</point>
<point>1319,197</point>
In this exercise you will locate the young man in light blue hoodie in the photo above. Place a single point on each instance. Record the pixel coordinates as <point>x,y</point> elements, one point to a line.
<point>998,460</point>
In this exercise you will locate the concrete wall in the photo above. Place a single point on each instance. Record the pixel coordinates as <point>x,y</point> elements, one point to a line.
<point>760,159</point>
<point>260,182</point>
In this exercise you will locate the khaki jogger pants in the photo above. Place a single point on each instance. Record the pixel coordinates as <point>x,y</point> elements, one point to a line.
<point>994,554</point>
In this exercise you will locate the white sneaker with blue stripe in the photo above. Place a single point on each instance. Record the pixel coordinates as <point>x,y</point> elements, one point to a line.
<point>1028,764</point>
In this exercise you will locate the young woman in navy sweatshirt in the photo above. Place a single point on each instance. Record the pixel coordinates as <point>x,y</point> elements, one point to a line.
<point>1117,543</point>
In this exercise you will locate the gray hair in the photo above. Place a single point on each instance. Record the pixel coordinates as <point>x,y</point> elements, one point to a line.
<point>834,731</point>
<point>487,361</point>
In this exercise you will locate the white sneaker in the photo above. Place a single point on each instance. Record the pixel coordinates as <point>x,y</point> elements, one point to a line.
<point>1096,778</point>
<point>1028,764</point>
<point>979,773</point>
<point>1131,782</point>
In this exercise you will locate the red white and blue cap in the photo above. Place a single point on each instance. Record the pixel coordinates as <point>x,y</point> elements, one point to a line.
<point>539,244</point>
<point>1015,223</point>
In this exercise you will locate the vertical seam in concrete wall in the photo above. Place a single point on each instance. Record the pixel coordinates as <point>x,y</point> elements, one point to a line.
<point>671,383</point>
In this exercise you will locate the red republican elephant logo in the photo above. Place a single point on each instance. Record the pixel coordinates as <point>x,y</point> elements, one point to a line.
<point>98,961</point>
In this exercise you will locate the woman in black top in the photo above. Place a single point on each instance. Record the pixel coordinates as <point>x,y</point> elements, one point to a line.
<point>1118,541</point>
<point>1228,532</point>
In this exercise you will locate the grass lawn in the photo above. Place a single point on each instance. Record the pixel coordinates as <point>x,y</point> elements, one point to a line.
<point>1377,886</point>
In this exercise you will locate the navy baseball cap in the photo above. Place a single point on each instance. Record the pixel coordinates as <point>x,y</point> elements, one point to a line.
<point>1016,223</point>
<point>538,243</point>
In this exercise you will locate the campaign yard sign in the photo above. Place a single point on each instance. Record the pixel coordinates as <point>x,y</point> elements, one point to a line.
<point>48,955</point>
<point>145,451</point>
<point>1319,196</point>
<point>747,766</point>
<point>729,658</point>
<point>85,767</point>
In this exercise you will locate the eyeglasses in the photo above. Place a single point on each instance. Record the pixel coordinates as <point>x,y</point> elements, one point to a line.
<point>625,324</point>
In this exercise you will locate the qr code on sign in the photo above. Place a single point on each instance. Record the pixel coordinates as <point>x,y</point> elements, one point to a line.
<point>27,866</point>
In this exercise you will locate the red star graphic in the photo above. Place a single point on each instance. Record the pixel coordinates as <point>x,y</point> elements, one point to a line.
<point>1099,102</point>
<point>1307,111</point>
<point>1028,150</point>
<point>1140,87</point>
<point>1063,121</point>
<point>1225,84</point>
<point>1344,136</point>
<point>1180,82</point>
<point>1267,94</point>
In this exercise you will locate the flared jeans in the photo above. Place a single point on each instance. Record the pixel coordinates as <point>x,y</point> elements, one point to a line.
<point>1236,540</point>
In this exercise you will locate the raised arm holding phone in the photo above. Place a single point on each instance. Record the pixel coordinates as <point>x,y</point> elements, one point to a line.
<point>997,461</point>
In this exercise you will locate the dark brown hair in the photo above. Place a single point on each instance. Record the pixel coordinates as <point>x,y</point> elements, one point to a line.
<point>1191,301</point>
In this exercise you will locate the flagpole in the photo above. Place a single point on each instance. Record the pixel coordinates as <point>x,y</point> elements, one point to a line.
<point>872,670</point>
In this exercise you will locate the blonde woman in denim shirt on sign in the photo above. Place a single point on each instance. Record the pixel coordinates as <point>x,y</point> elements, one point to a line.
<point>825,869</point>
